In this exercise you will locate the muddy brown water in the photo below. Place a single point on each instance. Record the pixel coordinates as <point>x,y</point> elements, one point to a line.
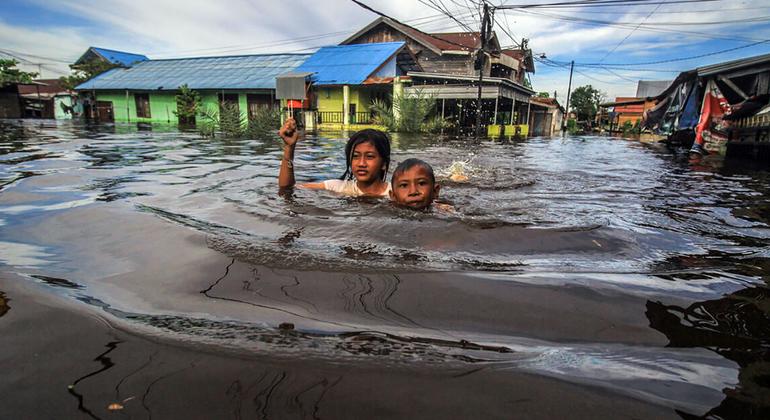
<point>577,276</point>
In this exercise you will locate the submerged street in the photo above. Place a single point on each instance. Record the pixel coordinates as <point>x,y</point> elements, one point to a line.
<point>578,276</point>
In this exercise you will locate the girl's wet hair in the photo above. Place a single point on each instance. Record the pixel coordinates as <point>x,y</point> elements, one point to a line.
<point>411,163</point>
<point>380,141</point>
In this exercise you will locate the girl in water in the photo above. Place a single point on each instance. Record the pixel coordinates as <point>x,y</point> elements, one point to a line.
<point>368,157</point>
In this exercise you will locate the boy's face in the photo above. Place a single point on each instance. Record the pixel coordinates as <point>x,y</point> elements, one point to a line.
<point>413,188</point>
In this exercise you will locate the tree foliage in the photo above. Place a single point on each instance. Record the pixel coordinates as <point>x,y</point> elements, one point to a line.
<point>84,72</point>
<point>585,102</point>
<point>543,95</point>
<point>9,74</point>
<point>187,103</point>
<point>229,122</point>
<point>409,114</point>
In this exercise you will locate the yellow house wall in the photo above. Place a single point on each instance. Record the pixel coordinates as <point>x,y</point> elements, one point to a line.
<point>330,99</point>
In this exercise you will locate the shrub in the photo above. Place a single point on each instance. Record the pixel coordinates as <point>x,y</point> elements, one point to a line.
<point>414,114</point>
<point>187,103</point>
<point>230,122</point>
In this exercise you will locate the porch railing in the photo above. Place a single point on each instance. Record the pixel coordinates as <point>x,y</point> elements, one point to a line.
<point>338,117</point>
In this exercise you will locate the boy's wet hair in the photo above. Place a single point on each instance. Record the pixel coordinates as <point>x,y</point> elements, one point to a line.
<point>380,141</point>
<point>411,163</point>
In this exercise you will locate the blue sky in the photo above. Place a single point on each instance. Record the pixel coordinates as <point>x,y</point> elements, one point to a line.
<point>48,34</point>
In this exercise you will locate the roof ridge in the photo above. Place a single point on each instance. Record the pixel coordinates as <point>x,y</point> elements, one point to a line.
<point>227,56</point>
<point>117,51</point>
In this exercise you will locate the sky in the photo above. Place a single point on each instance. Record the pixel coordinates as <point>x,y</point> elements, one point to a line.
<point>611,45</point>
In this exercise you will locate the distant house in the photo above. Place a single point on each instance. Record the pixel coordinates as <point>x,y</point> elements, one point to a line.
<point>546,116</point>
<point>631,110</point>
<point>146,91</point>
<point>346,78</point>
<point>119,58</point>
<point>651,88</point>
<point>10,101</point>
<point>46,98</point>
<point>449,74</point>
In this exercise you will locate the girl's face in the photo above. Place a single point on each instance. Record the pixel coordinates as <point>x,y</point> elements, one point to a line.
<point>366,163</point>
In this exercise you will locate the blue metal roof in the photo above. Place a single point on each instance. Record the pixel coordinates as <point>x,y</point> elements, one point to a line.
<point>348,64</point>
<point>233,72</point>
<point>120,57</point>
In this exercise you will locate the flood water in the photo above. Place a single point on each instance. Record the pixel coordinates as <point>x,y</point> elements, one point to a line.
<point>603,265</point>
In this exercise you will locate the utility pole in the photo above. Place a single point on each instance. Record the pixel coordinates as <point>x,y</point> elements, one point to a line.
<point>569,89</point>
<point>480,61</point>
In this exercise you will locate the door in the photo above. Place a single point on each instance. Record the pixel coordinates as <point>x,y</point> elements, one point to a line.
<point>104,111</point>
<point>255,102</point>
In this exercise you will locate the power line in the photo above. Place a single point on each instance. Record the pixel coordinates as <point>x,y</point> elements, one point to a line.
<point>594,22</point>
<point>681,58</point>
<point>435,6</point>
<point>630,33</point>
<point>597,3</point>
<point>665,12</point>
<point>408,26</point>
<point>288,41</point>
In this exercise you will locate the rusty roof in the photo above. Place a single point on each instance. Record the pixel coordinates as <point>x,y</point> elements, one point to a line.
<point>438,42</point>
<point>52,86</point>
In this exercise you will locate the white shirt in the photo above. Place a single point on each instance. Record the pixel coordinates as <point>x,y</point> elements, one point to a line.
<point>349,187</point>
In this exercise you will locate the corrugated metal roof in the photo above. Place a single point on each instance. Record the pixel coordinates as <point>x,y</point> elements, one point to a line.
<point>233,72</point>
<point>733,65</point>
<point>348,64</point>
<point>120,57</point>
<point>650,88</point>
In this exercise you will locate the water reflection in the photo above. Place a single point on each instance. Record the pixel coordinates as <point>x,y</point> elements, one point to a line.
<point>737,327</point>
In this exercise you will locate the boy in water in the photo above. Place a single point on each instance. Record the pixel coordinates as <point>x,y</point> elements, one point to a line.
<point>413,184</point>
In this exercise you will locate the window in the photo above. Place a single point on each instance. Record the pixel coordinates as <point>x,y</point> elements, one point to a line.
<point>142,105</point>
<point>228,98</point>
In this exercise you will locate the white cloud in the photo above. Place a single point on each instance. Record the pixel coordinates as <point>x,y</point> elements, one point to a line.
<point>173,28</point>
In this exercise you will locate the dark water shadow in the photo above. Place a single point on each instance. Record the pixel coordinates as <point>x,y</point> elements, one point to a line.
<point>737,327</point>
<point>4,307</point>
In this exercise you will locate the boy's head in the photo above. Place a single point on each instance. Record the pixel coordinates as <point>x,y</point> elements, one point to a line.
<point>413,184</point>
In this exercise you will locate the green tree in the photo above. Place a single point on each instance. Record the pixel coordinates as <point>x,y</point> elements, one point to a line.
<point>543,95</point>
<point>409,114</point>
<point>9,74</point>
<point>585,102</point>
<point>84,72</point>
<point>187,103</point>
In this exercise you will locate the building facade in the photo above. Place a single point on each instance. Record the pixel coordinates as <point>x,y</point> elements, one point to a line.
<point>146,91</point>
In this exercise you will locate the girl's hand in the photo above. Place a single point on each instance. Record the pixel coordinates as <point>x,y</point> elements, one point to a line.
<point>289,132</point>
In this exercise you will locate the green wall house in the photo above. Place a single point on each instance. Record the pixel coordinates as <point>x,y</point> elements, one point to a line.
<point>146,91</point>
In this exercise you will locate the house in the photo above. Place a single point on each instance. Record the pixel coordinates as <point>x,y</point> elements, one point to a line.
<point>344,79</point>
<point>651,88</point>
<point>46,98</point>
<point>721,108</point>
<point>118,58</point>
<point>546,116</point>
<point>146,91</point>
<point>447,52</point>
<point>630,110</point>
<point>448,74</point>
<point>10,101</point>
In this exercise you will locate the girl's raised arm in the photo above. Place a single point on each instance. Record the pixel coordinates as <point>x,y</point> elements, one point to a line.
<point>290,136</point>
